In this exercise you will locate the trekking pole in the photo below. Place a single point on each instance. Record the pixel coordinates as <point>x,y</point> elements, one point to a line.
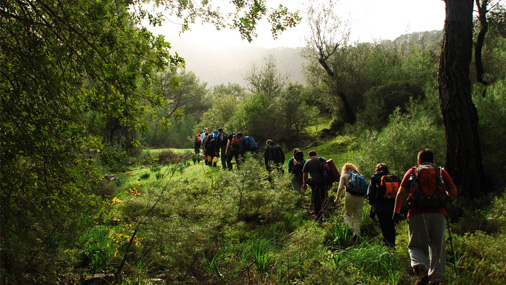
<point>451,241</point>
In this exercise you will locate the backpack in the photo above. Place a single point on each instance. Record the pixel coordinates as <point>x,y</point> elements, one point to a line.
<point>251,145</point>
<point>234,144</point>
<point>275,153</point>
<point>210,143</point>
<point>389,184</point>
<point>222,138</point>
<point>298,165</point>
<point>326,171</point>
<point>356,185</point>
<point>427,188</point>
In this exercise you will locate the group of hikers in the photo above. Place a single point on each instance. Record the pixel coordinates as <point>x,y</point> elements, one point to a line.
<point>218,144</point>
<point>420,195</point>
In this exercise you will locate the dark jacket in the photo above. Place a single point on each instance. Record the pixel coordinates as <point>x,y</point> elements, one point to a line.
<point>379,204</point>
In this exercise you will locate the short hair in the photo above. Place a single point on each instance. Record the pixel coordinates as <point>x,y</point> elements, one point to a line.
<point>239,134</point>
<point>295,150</point>
<point>312,153</point>
<point>425,155</point>
<point>381,166</point>
<point>269,142</point>
<point>220,130</point>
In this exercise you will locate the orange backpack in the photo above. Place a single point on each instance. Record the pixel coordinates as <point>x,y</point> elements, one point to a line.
<point>427,187</point>
<point>389,185</point>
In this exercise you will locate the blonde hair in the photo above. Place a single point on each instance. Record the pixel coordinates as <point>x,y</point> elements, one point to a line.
<point>348,167</point>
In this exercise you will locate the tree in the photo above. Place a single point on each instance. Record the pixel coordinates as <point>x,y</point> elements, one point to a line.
<point>463,153</point>
<point>60,62</point>
<point>266,80</point>
<point>482,17</point>
<point>324,44</point>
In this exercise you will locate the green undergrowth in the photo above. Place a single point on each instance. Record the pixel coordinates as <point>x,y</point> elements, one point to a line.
<point>192,223</point>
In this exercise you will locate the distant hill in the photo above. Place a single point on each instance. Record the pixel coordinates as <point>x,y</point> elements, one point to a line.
<point>223,65</point>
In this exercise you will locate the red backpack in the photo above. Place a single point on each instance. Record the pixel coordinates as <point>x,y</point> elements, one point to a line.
<point>389,185</point>
<point>427,187</point>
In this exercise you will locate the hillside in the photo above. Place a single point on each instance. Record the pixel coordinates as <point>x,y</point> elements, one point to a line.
<point>229,65</point>
<point>221,66</point>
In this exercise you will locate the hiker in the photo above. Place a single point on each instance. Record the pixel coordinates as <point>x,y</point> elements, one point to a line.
<point>319,193</point>
<point>210,146</point>
<point>381,193</point>
<point>295,166</point>
<point>248,143</point>
<point>427,217</point>
<point>273,156</point>
<point>203,137</point>
<point>233,149</point>
<point>221,147</point>
<point>203,146</point>
<point>354,197</point>
<point>196,144</point>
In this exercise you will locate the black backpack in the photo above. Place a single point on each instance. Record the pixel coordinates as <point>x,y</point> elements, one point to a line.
<point>222,139</point>
<point>298,163</point>
<point>275,153</point>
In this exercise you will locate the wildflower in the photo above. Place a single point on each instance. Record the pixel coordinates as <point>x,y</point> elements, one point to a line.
<point>115,219</point>
<point>116,200</point>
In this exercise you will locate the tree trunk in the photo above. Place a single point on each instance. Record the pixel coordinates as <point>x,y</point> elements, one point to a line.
<point>463,153</point>
<point>478,62</point>
<point>349,116</point>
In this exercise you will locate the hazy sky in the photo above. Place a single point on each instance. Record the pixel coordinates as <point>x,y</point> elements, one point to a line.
<point>369,21</point>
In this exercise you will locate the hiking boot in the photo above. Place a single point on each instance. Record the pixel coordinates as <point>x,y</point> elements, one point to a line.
<point>421,275</point>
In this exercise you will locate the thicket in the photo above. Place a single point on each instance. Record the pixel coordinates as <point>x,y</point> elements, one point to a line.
<point>80,201</point>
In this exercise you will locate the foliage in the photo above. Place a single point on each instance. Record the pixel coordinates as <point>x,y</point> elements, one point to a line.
<point>399,142</point>
<point>492,115</point>
<point>383,100</point>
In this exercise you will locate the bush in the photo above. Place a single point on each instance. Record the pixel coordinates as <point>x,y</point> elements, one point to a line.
<point>380,102</point>
<point>399,142</point>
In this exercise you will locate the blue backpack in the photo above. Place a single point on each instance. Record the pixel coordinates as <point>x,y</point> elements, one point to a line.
<point>250,143</point>
<point>356,185</point>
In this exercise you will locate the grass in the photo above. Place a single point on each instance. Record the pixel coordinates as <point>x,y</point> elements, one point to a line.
<point>215,226</point>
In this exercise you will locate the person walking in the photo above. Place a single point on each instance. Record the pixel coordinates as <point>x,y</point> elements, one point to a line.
<point>425,186</point>
<point>221,147</point>
<point>381,192</point>
<point>314,167</point>
<point>353,202</point>
<point>295,166</point>
<point>233,149</point>
<point>196,144</point>
<point>274,156</point>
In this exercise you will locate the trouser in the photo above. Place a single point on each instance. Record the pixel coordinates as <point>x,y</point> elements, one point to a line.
<point>387,227</point>
<point>353,206</point>
<point>296,181</point>
<point>427,244</point>
<point>197,150</point>
<point>223,157</point>
<point>319,195</point>
<point>230,156</point>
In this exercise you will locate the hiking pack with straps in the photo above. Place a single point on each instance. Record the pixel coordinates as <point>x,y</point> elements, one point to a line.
<point>275,153</point>
<point>234,144</point>
<point>329,171</point>
<point>251,145</point>
<point>389,184</point>
<point>222,139</point>
<point>210,142</point>
<point>427,188</point>
<point>356,185</point>
<point>298,163</point>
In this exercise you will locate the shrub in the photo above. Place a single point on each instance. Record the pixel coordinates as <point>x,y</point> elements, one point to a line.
<point>399,142</point>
